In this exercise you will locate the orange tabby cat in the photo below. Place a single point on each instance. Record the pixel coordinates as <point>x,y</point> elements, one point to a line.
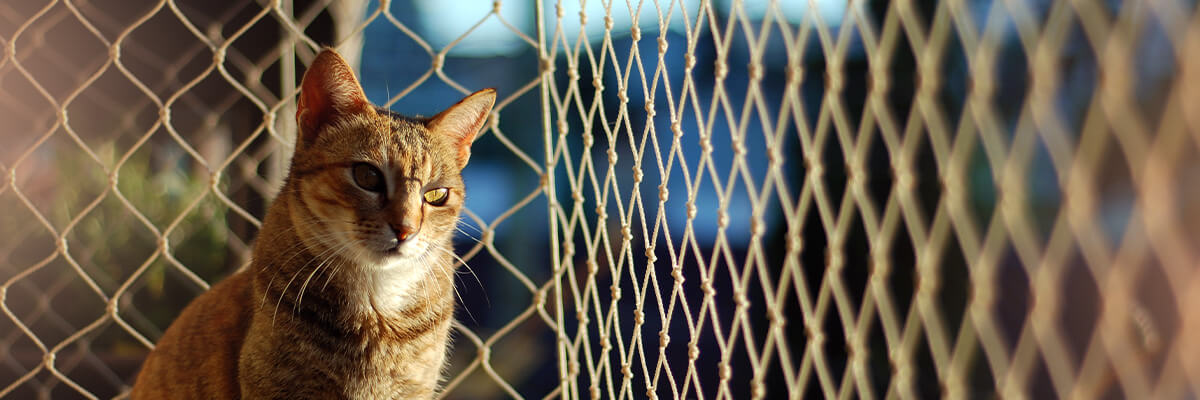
<point>350,291</point>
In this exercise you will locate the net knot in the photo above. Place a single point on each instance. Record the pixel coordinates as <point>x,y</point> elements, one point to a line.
<point>439,59</point>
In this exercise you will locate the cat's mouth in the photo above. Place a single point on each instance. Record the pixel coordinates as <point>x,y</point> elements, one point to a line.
<point>394,250</point>
<point>402,250</point>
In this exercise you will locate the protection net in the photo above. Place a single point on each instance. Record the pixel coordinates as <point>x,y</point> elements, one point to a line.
<point>720,199</point>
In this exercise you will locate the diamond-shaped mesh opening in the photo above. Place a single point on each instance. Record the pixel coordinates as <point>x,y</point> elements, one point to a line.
<point>1012,82</point>
<point>50,42</point>
<point>111,114</point>
<point>520,344</point>
<point>1010,302</point>
<point>1043,189</point>
<point>920,200</point>
<point>834,349</point>
<point>20,97</point>
<point>1078,310</point>
<point>40,174</point>
<point>39,385</point>
<point>163,285</point>
<point>34,245</point>
<point>1039,382</point>
<point>111,17</point>
<point>1154,318</point>
<point>24,354</point>
<point>198,233</point>
<point>110,257</point>
<point>79,363</point>
<point>46,303</point>
<point>1155,80</point>
<point>953,293</point>
<point>901,277</point>
<point>13,15</point>
<point>952,79</point>
<point>477,384</point>
<point>916,378</point>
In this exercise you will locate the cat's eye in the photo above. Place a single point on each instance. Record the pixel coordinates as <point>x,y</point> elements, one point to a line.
<point>368,177</point>
<point>437,197</point>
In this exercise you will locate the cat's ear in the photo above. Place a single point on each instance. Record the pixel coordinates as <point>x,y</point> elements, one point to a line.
<point>329,91</point>
<point>462,121</point>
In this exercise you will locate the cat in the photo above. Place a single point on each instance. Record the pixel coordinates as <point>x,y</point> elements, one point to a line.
<point>349,293</point>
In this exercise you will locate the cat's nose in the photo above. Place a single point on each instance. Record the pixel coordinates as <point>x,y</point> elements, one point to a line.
<point>404,231</point>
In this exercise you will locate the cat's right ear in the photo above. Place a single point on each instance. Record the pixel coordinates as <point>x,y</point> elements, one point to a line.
<point>462,121</point>
<point>328,91</point>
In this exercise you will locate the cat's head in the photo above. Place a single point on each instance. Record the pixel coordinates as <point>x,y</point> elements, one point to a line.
<point>373,185</point>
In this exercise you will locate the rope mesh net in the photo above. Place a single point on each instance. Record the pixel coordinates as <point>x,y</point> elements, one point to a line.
<point>692,199</point>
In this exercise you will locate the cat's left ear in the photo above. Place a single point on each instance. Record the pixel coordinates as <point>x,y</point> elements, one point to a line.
<point>328,92</point>
<point>462,121</point>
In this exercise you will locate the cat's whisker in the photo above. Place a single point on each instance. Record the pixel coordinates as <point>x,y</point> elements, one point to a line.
<point>464,223</point>
<point>331,257</point>
<point>424,283</point>
<point>322,239</point>
<point>446,272</point>
<point>294,276</point>
<point>471,271</point>
<point>468,235</point>
<point>449,276</point>
<point>319,238</point>
<point>425,261</point>
<point>296,225</point>
<point>467,223</point>
<point>345,261</point>
<point>464,264</point>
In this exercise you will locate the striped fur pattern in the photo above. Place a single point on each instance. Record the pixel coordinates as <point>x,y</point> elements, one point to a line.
<point>350,291</point>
